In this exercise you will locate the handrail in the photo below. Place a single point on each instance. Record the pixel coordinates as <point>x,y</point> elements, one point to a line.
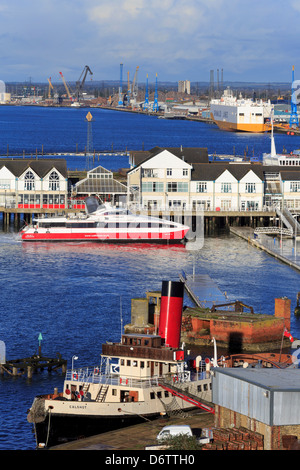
<point>88,376</point>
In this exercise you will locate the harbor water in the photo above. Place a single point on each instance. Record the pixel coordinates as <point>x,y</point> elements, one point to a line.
<point>78,295</point>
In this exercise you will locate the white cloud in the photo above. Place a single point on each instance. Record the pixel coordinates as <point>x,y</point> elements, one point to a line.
<point>170,37</point>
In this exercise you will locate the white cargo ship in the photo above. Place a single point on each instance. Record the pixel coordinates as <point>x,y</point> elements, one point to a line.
<point>241,114</point>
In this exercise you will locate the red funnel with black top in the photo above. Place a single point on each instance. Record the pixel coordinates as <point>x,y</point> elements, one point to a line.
<point>171,313</point>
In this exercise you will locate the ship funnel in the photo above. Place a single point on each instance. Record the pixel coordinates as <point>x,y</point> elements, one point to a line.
<point>171,313</point>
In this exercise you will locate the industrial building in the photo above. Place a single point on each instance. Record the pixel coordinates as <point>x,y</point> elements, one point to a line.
<point>258,399</point>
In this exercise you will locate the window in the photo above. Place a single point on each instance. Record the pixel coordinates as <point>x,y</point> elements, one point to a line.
<point>294,186</point>
<point>185,172</point>
<point>154,187</point>
<point>29,181</point>
<point>54,181</point>
<point>177,187</point>
<point>201,187</point>
<point>250,188</point>
<point>226,188</point>
<point>169,171</point>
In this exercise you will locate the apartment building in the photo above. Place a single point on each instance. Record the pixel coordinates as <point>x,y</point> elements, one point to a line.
<point>173,178</point>
<point>184,86</point>
<point>33,184</point>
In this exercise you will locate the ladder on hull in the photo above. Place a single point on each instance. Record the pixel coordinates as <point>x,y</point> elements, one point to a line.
<point>102,393</point>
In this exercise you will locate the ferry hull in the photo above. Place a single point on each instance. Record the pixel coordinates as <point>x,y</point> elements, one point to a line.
<point>31,236</point>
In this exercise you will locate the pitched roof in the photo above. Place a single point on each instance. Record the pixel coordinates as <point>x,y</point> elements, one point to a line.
<point>188,154</point>
<point>41,167</point>
<point>212,171</point>
<point>290,175</point>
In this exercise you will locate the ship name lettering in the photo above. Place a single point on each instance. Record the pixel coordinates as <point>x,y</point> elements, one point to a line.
<point>77,406</point>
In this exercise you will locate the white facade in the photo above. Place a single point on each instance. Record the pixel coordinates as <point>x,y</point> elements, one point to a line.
<point>22,186</point>
<point>166,181</point>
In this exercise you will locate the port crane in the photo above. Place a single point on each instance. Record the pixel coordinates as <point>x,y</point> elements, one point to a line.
<point>66,86</point>
<point>134,89</point>
<point>50,88</point>
<point>81,80</point>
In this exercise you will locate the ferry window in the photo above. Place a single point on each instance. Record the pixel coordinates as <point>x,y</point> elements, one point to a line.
<point>29,182</point>
<point>122,362</point>
<point>134,363</point>
<point>114,392</point>
<point>53,181</point>
<point>128,363</point>
<point>142,364</point>
<point>166,394</point>
<point>158,394</point>
<point>152,395</point>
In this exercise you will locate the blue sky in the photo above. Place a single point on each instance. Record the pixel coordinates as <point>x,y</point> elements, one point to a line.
<point>251,40</point>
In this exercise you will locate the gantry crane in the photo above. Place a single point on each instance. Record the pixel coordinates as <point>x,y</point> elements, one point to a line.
<point>81,80</point>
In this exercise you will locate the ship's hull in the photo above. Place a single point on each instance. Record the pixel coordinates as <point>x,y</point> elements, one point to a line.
<point>239,127</point>
<point>57,421</point>
<point>55,236</point>
<point>66,428</point>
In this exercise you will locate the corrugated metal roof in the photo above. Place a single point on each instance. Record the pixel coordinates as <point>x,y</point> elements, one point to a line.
<point>271,379</point>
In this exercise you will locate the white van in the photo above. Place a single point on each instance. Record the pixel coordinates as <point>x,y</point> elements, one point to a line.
<point>174,430</point>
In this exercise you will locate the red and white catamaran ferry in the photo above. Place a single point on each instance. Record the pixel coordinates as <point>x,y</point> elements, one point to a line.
<point>103,222</point>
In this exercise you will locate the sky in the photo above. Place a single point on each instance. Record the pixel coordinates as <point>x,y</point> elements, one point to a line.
<point>251,40</point>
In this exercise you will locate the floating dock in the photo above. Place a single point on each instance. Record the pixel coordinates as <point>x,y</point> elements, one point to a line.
<point>201,286</point>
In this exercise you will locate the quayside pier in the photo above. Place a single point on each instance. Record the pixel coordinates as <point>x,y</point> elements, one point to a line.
<point>213,220</point>
<point>32,364</point>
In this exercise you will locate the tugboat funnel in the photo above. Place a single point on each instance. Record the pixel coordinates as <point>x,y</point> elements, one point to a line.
<point>171,313</point>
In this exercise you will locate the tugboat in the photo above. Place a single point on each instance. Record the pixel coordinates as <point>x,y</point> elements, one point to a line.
<point>140,378</point>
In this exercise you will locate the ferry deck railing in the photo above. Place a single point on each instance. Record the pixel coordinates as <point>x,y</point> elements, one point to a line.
<point>92,376</point>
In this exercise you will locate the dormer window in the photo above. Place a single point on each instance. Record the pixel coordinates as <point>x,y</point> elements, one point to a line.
<point>53,181</point>
<point>29,181</point>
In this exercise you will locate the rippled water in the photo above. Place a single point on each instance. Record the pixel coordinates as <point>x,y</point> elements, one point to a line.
<point>79,295</point>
